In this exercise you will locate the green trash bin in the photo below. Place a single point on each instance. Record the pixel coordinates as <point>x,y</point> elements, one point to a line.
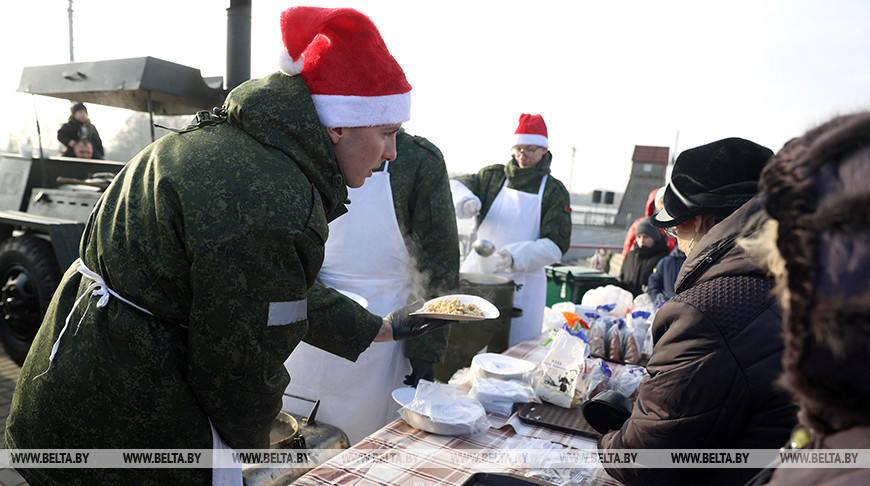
<point>567,283</point>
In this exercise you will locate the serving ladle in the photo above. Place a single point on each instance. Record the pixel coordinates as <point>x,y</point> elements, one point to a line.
<point>483,247</point>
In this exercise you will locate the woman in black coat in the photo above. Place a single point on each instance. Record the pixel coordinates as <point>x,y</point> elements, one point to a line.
<point>79,127</point>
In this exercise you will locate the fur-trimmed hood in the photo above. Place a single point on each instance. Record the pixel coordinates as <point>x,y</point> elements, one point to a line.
<point>818,189</point>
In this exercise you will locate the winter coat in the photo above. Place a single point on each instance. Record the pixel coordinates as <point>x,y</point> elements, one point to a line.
<point>219,232</point>
<point>72,130</point>
<point>661,282</point>
<point>424,210</point>
<point>717,352</point>
<point>555,202</point>
<point>639,265</point>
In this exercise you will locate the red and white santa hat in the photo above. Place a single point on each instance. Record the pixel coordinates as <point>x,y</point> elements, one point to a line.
<point>531,131</point>
<point>353,78</point>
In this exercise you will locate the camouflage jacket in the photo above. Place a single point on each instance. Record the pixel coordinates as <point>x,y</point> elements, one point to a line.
<point>555,203</point>
<point>424,209</point>
<point>219,233</point>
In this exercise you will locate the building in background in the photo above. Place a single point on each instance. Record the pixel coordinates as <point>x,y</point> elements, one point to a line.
<point>648,169</point>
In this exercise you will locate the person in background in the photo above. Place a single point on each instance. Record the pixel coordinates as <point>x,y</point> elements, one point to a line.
<point>526,213</point>
<point>600,260</point>
<point>717,344</point>
<point>79,127</point>
<point>411,255</point>
<point>196,274</point>
<point>653,205</point>
<point>660,286</point>
<point>818,240</point>
<point>83,149</point>
<point>650,247</point>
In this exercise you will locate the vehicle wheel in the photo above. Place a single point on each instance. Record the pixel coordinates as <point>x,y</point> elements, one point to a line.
<point>29,275</point>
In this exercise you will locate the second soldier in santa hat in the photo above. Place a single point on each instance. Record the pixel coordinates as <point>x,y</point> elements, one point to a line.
<point>204,253</point>
<point>526,213</point>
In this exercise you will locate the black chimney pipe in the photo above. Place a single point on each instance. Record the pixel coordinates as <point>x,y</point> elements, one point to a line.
<point>238,43</point>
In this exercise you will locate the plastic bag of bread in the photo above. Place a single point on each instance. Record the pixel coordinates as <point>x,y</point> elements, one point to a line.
<point>596,379</point>
<point>613,340</point>
<point>557,377</point>
<point>627,379</point>
<point>597,334</point>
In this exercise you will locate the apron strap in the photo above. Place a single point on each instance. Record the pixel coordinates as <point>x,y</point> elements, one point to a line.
<point>97,287</point>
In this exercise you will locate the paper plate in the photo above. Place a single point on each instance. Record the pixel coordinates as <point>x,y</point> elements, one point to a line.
<point>501,366</point>
<point>489,310</point>
<point>405,395</point>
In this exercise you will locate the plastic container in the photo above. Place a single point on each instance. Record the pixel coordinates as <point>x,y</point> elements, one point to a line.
<point>569,283</point>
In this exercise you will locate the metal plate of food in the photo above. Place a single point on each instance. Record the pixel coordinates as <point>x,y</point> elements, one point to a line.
<point>458,307</point>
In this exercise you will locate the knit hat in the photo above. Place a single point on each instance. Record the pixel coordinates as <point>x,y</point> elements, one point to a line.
<point>76,107</point>
<point>644,226</point>
<point>716,178</point>
<point>531,131</point>
<point>353,79</point>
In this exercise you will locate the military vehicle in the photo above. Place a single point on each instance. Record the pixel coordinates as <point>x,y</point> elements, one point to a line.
<point>45,201</point>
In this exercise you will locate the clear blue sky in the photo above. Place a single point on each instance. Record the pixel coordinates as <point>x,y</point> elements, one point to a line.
<point>606,76</point>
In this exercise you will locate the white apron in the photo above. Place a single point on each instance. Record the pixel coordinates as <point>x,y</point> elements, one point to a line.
<point>515,216</point>
<point>366,255</point>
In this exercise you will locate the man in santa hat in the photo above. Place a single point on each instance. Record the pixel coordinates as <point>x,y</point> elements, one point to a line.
<point>526,213</point>
<point>196,276</point>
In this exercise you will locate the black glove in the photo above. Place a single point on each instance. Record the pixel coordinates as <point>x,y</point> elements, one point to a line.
<point>407,327</point>
<point>420,370</point>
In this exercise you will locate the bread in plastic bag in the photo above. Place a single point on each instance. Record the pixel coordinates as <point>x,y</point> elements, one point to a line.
<point>597,378</point>
<point>613,341</point>
<point>626,380</point>
<point>443,409</point>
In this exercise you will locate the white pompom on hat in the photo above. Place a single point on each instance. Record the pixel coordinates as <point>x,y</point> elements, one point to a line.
<point>353,79</point>
<point>531,131</point>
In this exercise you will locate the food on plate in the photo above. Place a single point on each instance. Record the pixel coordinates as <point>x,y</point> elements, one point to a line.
<point>453,306</point>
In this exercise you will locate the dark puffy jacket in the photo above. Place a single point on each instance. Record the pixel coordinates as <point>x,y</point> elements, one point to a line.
<point>717,352</point>
<point>639,265</point>
<point>664,276</point>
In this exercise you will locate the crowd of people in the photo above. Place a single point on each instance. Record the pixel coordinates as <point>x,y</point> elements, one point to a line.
<point>341,224</point>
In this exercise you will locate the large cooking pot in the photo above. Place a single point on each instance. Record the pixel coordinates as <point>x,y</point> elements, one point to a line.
<point>467,338</point>
<point>284,429</point>
<point>295,432</point>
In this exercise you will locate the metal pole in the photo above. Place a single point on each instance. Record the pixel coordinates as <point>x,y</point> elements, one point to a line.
<point>571,178</point>
<point>150,116</point>
<point>70,12</point>
<point>238,43</point>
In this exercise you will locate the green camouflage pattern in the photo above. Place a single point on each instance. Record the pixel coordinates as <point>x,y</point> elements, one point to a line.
<point>424,209</point>
<point>205,229</point>
<point>555,203</point>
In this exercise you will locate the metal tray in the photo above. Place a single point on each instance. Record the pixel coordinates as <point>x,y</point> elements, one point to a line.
<point>557,418</point>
